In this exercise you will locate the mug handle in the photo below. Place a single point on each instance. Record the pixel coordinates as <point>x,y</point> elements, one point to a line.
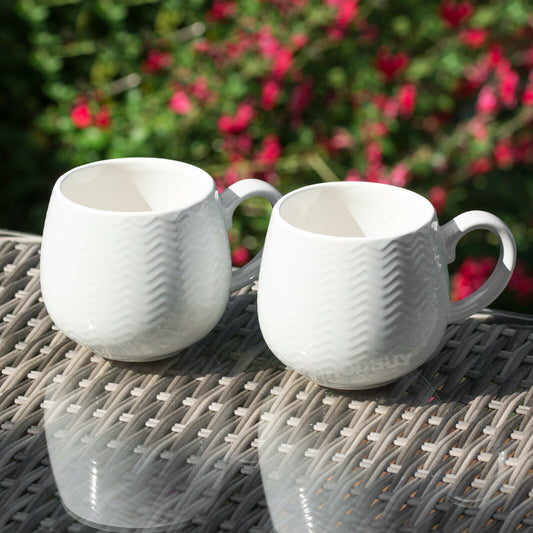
<point>230,199</point>
<point>452,232</point>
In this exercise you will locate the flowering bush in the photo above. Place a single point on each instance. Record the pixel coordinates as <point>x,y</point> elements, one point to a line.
<point>434,96</point>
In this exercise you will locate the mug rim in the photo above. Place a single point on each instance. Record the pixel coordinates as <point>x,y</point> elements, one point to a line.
<point>57,189</point>
<point>424,221</point>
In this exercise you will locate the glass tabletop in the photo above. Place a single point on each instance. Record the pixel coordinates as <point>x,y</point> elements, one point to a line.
<point>222,437</point>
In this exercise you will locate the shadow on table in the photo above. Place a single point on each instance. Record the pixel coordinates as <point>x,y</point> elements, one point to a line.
<point>222,436</point>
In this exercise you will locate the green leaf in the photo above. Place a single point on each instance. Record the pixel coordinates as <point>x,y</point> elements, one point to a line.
<point>61,92</point>
<point>518,12</point>
<point>32,12</point>
<point>420,68</point>
<point>452,62</point>
<point>46,62</point>
<point>306,136</point>
<point>401,25</point>
<point>110,11</point>
<point>336,77</point>
<point>484,16</point>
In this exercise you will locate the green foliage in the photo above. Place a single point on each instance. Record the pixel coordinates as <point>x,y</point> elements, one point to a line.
<point>437,97</point>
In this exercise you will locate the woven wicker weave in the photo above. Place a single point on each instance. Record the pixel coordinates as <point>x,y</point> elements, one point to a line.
<point>224,438</point>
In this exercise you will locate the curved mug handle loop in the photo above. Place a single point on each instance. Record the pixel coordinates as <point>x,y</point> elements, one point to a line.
<point>452,232</point>
<point>230,199</point>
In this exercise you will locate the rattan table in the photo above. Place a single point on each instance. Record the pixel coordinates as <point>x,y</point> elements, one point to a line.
<point>223,438</point>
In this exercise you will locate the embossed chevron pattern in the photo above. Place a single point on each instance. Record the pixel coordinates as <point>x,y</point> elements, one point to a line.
<point>352,313</point>
<point>135,286</point>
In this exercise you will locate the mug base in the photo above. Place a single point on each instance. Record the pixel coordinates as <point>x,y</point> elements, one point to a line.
<point>136,359</point>
<point>362,386</point>
<point>119,527</point>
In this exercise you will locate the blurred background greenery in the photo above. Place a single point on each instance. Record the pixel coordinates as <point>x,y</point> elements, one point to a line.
<point>435,96</point>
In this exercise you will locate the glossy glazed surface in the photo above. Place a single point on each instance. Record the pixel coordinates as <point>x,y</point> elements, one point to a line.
<point>135,256</point>
<point>353,288</point>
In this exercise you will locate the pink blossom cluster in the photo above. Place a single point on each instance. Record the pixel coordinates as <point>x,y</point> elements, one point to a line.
<point>186,96</point>
<point>473,272</point>
<point>273,83</point>
<point>83,115</point>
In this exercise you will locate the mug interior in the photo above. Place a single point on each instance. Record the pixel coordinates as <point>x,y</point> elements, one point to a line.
<point>136,185</point>
<point>356,209</point>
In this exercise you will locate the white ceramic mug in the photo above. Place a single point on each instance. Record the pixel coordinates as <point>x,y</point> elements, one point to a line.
<point>354,288</point>
<point>135,259</point>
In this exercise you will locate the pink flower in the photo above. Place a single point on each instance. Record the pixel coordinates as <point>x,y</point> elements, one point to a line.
<point>455,13</point>
<point>244,142</point>
<point>231,176</point>
<point>267,43</point>
<point>199,88</point>
<point>388,106</point>
<point>474,37</point>
<point>81,115</point>
<point>239,256</point>
<point>374,173</point>
<point>102,119</point>
<point>335,33</point>
<point>487,102</point>
<point>400,175</point>
<point>156,60</point>
<point>270,94</point>
<point>237,124</point>
<point>244,115</point>
<point>480,166</point>
<point>495,55</point>
<point>504,153</point>
<point>282,62</point>
<point>438,197</point>
<point>341,139</point>
<point>509,80</point>
<point>222,9</point>
<point>373,153</point>
<point>378,129</point>
<point>478,73</point>
<point>390,65</point>
<point>471,274</point>
<point>201,45</point>
<point>407,99</point>
<point>353,175</point>
<point>346,13</point>
<point>299,40</point>
<point>225,124</point>
<point>521,283</point>
<point>180,103</point>
<point>301,97</point>
<point>235,49</point>
<point>478,128</point>
<point>237,146</point>
<point>373,130</point>
<point>270,150</point>
<point>527,95</point>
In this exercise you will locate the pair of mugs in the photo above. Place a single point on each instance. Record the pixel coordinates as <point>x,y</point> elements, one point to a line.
<point>353,287</point>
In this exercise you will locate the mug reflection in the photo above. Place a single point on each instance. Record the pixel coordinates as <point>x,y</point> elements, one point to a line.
<point>337,473</point>
<point>114,472</point>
